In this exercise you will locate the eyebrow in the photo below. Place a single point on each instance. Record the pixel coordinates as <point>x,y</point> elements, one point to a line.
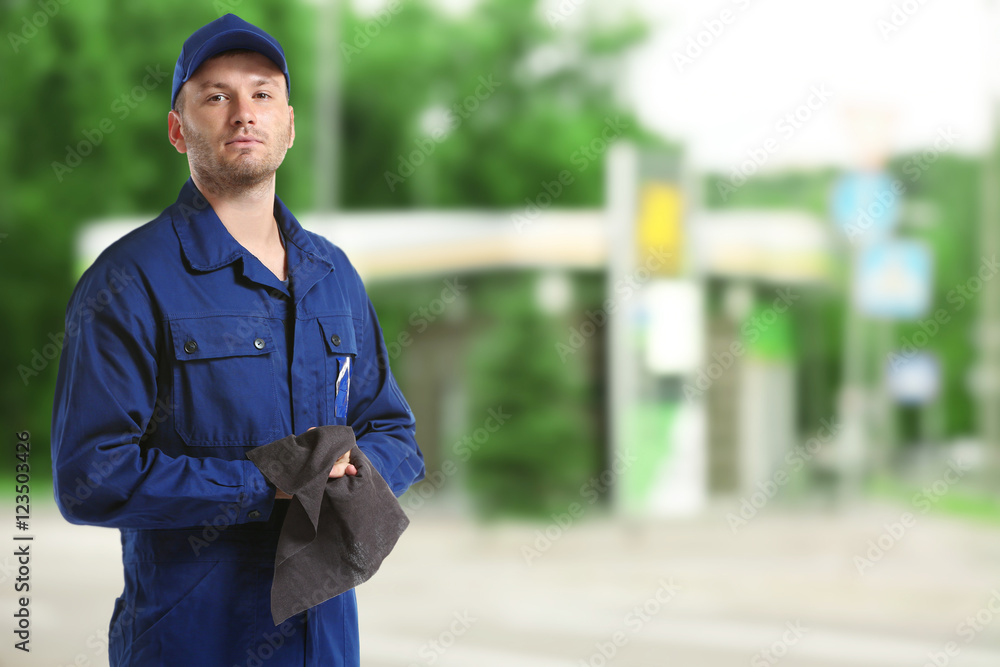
<point>260,81</point>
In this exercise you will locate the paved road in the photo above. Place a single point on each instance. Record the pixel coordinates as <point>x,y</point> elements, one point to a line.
<point>785,590</point>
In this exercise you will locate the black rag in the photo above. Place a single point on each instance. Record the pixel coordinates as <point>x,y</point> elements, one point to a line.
<point>336,532</point>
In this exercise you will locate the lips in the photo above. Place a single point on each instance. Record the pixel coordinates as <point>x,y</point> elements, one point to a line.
<point>243,141</point>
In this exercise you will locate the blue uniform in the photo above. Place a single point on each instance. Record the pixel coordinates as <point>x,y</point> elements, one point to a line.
<point>183,351</point>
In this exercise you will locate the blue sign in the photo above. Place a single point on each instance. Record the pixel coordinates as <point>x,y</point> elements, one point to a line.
<point>866,205</point>
<point>913,378</point>
<point>893,280</point>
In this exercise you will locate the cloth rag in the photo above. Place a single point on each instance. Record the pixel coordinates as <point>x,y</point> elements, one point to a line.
<point>336,532</point>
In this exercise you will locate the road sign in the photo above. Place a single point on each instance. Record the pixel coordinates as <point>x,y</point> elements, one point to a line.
<point>914,379</point>
<point>866,205</point>
<point>893,280</point>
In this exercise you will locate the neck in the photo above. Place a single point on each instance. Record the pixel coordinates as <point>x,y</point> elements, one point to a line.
<point>247,213</point>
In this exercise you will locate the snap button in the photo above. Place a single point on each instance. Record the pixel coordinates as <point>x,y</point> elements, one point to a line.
<point>335,339</point>
<point>253,514</point>
<point>190,347</point>
<point>259,343</point>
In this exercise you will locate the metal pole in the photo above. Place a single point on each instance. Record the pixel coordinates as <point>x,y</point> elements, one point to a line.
<point>327,105</point>
<point>622,178</point>
<point>989,308</point>
<point>988,339</point>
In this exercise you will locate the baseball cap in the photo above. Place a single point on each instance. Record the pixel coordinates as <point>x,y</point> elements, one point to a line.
<point>223,34</point>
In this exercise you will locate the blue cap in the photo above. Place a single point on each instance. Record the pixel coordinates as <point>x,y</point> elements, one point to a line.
<point>223,34</point>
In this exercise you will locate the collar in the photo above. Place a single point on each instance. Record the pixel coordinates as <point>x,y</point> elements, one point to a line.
<point>207,244</point>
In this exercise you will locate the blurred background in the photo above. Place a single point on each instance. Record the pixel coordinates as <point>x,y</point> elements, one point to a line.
<point>694,304</point>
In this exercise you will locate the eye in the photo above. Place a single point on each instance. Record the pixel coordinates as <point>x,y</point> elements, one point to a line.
<point>213,97</point>
<point>264,94</point>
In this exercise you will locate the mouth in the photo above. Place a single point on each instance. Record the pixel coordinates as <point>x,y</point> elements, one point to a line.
<point>243,141</point>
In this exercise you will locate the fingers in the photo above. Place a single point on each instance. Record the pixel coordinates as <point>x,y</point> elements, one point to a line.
<point>341,469</point>
<point>343,466</point>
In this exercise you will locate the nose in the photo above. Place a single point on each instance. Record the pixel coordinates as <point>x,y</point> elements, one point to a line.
<point>243,112</point>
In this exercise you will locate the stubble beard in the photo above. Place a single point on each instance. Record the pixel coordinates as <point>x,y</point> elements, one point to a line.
<point>240,174</point>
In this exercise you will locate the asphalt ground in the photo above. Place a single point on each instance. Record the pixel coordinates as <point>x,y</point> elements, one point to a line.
<point>856,588</point>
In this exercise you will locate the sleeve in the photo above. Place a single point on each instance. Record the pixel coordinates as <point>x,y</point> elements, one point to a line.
<point>105,397</point>
<point>381,418</point>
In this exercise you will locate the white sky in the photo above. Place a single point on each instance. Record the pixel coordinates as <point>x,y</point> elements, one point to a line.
<point>928,75</point>
<point>931,73</point>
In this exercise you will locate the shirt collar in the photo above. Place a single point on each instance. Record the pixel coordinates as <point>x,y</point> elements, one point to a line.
<point>208,245</point>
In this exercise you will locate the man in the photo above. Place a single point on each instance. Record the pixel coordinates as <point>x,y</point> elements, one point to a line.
<point>220,326</point>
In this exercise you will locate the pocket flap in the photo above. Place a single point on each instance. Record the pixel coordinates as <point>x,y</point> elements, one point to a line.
<point>220,336</point>
<point>338,332</point>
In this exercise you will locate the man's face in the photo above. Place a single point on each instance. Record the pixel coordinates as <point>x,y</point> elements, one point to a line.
<point>235,123</point>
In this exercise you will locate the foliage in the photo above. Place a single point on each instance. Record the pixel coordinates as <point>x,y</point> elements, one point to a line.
<point>83,137</point>
<point>941,206</point>
<point>535,463</point>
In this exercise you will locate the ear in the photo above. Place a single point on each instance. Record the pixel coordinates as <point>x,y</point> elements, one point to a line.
<point>174,132</point>
<point>291,120</point>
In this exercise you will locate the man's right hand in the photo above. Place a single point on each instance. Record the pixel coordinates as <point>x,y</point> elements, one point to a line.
<point>341,467</point>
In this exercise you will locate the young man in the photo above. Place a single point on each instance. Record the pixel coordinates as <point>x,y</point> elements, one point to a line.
<point>220,326</point>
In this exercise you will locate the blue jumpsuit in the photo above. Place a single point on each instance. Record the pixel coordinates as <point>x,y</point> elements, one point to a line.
<point>182,351</point>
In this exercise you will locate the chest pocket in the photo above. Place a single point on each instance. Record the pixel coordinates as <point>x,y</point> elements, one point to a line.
<point>341,353</point>
<point>224,375</point>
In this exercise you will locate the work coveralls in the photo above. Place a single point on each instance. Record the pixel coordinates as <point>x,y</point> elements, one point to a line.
<point>182,352</point>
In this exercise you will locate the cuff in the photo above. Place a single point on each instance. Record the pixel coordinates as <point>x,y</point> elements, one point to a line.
<point>376,460</point>
<point>258,495</point>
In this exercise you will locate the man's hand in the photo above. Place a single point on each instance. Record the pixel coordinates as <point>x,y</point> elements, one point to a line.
<point>341,467</point>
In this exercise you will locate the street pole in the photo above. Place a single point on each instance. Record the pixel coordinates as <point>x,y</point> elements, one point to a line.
<point>326,183</point>
<point>988,337</point>
<point>988,326</point>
